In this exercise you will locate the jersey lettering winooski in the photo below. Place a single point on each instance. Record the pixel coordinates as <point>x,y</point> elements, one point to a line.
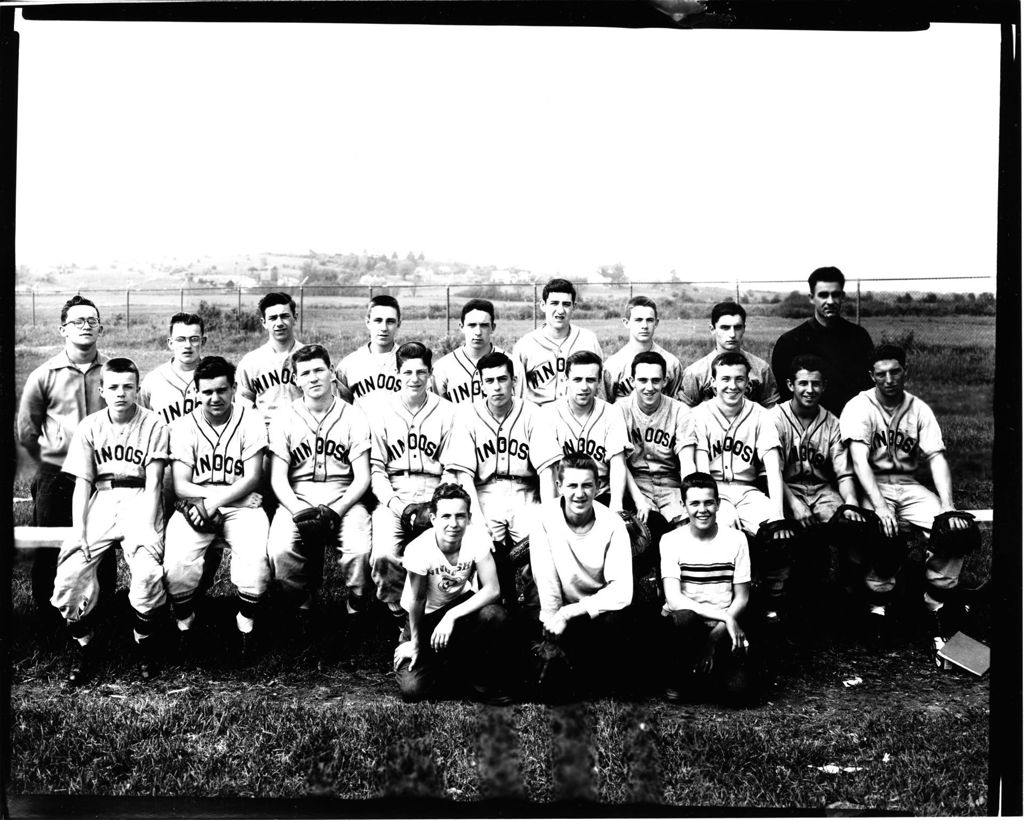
<point>488,448</point>
<point>404,442</point>
<point>811,455</point>
<point>217,456</point>
<point>320,450</point>
<point>543,361</point>
<point>365,373</point>
<point>896,440</point>
<point>264,377</point>
<point>101,449</point>
<point>658,438</point>
<point>601,435</point>
<point>168,392</point>
<point>736,447</point>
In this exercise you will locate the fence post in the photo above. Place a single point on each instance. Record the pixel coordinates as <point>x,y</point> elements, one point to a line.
<point>371,293</point>
<point>127,308</point>
<point>858,301</point>
<point>181,299</point>
<point>238,311</point>
<point>33,307</point>
<point>448,310</point>
<point>534,305</point>
<point>737,291</point>
<point>302,306</point>
<point>631,290</point>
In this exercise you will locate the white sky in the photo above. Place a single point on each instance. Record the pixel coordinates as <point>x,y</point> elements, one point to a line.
<point>720,154</point>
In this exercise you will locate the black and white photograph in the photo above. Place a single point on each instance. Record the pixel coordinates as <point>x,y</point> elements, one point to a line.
<point>563,409</point>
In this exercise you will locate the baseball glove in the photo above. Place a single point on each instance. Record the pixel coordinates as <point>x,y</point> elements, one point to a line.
<point>519,555</point>
<point>416,519</point>
<point>955,543</point>
<point>194,510</point>
<point>553,669</point>
<point>317,525</point>
<point>639,533</point>
<point>776,542</point>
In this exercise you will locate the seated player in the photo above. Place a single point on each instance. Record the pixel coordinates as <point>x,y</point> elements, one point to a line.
<point>456,376</point>
<point>409,433</point>
<point>583,423</point>
<point>320,468</point>
<point>542,354</point>
<point>371,370</point>
<point>890,432</point>
<point>641,321</point>
<point>582,565</point>
<point>458,632</point>
<point>495,453</point>
<point>217,457</point>
<point>705,572</point>
<point>728,324</point>
<point>117,458</point>
<point>736,441</point>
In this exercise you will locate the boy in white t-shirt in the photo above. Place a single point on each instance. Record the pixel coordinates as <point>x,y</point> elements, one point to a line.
<point>705,573</point>
<point>457,628</point>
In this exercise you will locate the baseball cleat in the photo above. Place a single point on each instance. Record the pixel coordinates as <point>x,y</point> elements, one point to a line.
<point>82,664</point>
<point>248,647</point>
<point>148,666</point>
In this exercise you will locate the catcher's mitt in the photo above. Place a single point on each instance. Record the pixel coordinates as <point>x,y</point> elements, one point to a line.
<point>954,543</point>
<point>416,519</point>
<point>776,543</point>
<point>194,510</point>
<point>317,525</point>
<point>639,533</point>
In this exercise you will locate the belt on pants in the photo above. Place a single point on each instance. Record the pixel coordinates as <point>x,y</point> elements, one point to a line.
<point>117,483</point>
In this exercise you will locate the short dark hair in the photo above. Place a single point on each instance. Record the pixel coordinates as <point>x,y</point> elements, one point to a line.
<point>700,481</point>
<point>446,491</point>
<point>486,305</point>
<point>649,357</point>
<point>730,358</point>
<point>577,461</point>
<point>308,353</point>
<point>76,301</point>
<point>495,359</point>
<point>809,362</point>
<point>120,364</point>
<point>276,297</point>
<point>727,309</point>
<point>827,274</point>
<point>384,300</point>
<point>584,357</point>
<point>413,350</point>
<point>186,319</point>
<point>641,301</point>
<point>213,367</point>
<point>888,351</point>
<point>559,286</point>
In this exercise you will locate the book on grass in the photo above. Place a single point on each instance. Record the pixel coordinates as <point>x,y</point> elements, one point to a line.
<point>967,653</point>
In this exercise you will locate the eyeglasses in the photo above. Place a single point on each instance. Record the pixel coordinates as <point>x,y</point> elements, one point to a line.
<point>180,340</point>
<point>81,322</point>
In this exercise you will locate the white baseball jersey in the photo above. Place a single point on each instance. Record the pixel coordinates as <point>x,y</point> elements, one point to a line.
<point>736,447</point>
<point>697,380</point>
<point>456,378</point>
<point>319,450</point>
<point>812,455</point>
<point>218,456</point>
<point>897,441</point>
<point>364,372</point>
<point>618,380</point>
<point>601,435</point>
<point>658,438</point>
<point>169,392</point>
<point>446,581</point>
<point>264,377</point>
<point>487,448</point>
<point>101,449</point>
<point>542,360</point>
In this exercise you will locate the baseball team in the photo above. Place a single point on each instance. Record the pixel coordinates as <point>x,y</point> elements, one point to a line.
<point>524,516</point>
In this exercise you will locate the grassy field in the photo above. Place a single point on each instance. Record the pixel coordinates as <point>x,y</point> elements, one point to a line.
<point>327,722</point>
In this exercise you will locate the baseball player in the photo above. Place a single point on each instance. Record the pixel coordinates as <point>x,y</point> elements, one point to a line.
<point>542,353</point>
<point>728,324</point>
<point>57,396</point>
<point>495,452</point>
<point>217,457</point>
<point>582,565</point>
<point>264,375</point>
<point>409,433</point>
<point>736,441</point>
<point>584,423</point>
<point>890,432</point>
<point>641,320</point>
<point>169,389</point>
<point>705,573</point>
<point>320,448</point>
<point>116,457</point>
<point>371,369</point>
<point>456,376</point>
<point>457,628</point>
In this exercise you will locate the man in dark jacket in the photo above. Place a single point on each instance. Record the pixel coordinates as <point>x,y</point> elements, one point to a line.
<point>845,347</point>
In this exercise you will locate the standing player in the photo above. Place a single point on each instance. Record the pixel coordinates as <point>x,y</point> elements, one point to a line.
<point>543,353</point>
<point>320,448</point>
<point>264,375</point>
<point>641,321</point>
<point>495,453</point>
<point>57,396</point>
<point>584,423</point>
<point>409,433</point>
<point>890,432</point>
<point>169,389</point>
<point>217,454</point>
<point>844,346</point>
<point>456,376</point>
<point>116,457</point>
<point>728,324</point>
<point>371,369</point>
